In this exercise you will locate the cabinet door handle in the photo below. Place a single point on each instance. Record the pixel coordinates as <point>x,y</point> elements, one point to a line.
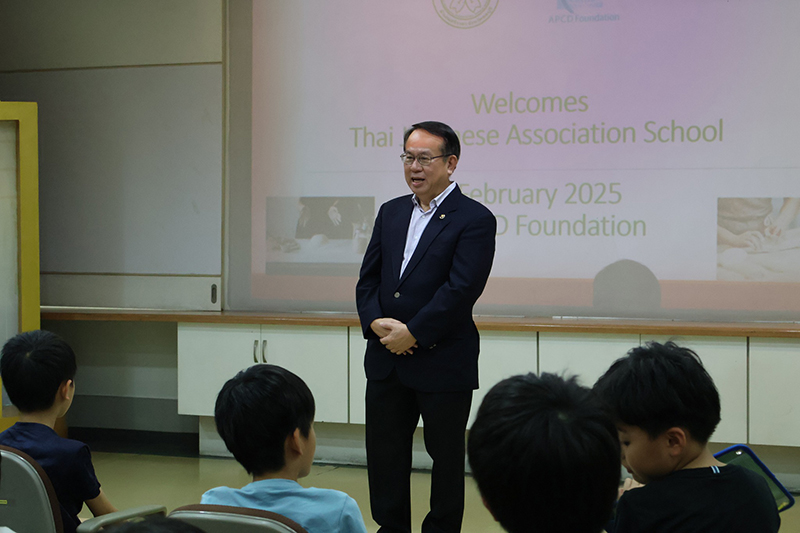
<point>264,351</point>
<point>255,349</point>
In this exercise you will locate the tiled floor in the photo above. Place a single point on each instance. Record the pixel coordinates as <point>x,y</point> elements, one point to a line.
<point>131,480</point>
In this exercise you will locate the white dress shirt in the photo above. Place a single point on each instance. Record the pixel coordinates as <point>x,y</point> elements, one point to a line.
<point>419,221</point>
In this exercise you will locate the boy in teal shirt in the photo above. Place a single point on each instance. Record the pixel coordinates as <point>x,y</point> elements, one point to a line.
<point>265,416</point>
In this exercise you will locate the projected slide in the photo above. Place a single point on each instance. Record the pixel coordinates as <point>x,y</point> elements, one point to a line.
<point>641,158</point>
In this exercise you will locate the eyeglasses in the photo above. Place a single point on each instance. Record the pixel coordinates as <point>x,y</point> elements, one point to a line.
<point>423,160</point>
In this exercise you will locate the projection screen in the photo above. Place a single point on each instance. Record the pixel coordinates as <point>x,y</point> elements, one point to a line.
<point>640,157</point>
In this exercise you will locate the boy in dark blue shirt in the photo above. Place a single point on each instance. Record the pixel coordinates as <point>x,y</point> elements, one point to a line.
<point>666,408</point>
<point>38,370</point>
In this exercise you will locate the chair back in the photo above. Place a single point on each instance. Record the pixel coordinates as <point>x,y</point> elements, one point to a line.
<point>742,455</point>
<point>100,523</point>
<point>227,519</point>
<point>27,499</point>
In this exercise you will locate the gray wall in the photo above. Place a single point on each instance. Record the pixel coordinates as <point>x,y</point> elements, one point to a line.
<point>131,141</point>
<point>127,375</point>
<point>131,105</point>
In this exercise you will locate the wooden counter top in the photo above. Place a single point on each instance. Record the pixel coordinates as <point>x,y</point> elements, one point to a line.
<point>526,324</point>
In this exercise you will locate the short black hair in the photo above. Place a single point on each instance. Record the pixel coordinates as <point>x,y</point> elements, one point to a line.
<point>155,524</point>
<point>545,455</point>
<point>659,386</point>
<point>33,365</point>
<point>450,144</point>
<point>257,409</point>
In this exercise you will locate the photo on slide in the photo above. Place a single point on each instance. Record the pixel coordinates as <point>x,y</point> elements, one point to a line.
<point>318,229</point>
<point>758,239</point>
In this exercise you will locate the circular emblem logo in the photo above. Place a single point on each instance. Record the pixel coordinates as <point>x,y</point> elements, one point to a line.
<point>465,13</point>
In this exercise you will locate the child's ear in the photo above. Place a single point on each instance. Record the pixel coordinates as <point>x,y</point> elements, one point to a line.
<point>67,389</point>
<point>676,440</point>
<point>295,443</point>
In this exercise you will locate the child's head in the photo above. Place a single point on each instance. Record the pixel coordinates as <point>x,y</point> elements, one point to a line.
<point>545,455</point>
<point>659,394</point>
<point>258,410</point>
<point>34,365</point>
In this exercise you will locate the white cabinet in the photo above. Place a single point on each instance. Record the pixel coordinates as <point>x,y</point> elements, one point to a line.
<point>774,371</point>
<point>590,355</point>
<point>358,380</point>
<point>211,354</point>
<point>503,354</point>
<point>208,356</point>
<point>319,356</point>
<point>755,387</point>
<point>586,355</point>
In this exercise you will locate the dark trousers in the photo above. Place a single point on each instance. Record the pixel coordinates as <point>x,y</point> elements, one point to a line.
<point>393,411</point>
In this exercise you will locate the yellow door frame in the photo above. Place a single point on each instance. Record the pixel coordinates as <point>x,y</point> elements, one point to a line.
<point>25,114</point>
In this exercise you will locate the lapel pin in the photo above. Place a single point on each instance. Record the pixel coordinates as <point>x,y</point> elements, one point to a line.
<point>441,217</point>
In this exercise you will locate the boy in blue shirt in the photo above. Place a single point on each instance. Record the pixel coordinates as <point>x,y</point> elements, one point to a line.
<point>38,371</point>
<point>265,416</point>
<point>666,408</point>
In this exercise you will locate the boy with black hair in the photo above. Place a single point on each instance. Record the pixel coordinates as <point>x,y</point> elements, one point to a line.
<point>666,408</point>
<point>265,416</point>
<point>545,456</point>
<point>38,371</point>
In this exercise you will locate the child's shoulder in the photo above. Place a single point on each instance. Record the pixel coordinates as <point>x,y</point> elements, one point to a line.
<point>31,436</point>
<point>706,485</point>
<point>26,431</point>
<point>268,492</point>
<point>327,493</point>
<point>745,478</point>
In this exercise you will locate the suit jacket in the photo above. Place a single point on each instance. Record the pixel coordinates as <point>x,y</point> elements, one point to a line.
<point>435,295</point>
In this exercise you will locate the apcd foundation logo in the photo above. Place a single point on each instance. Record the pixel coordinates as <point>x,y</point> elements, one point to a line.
<point>577,5</point>
<point>465,14</point>
<point>582,11</point>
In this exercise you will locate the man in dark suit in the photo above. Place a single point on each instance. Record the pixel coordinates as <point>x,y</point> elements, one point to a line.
<point>427,263</point>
